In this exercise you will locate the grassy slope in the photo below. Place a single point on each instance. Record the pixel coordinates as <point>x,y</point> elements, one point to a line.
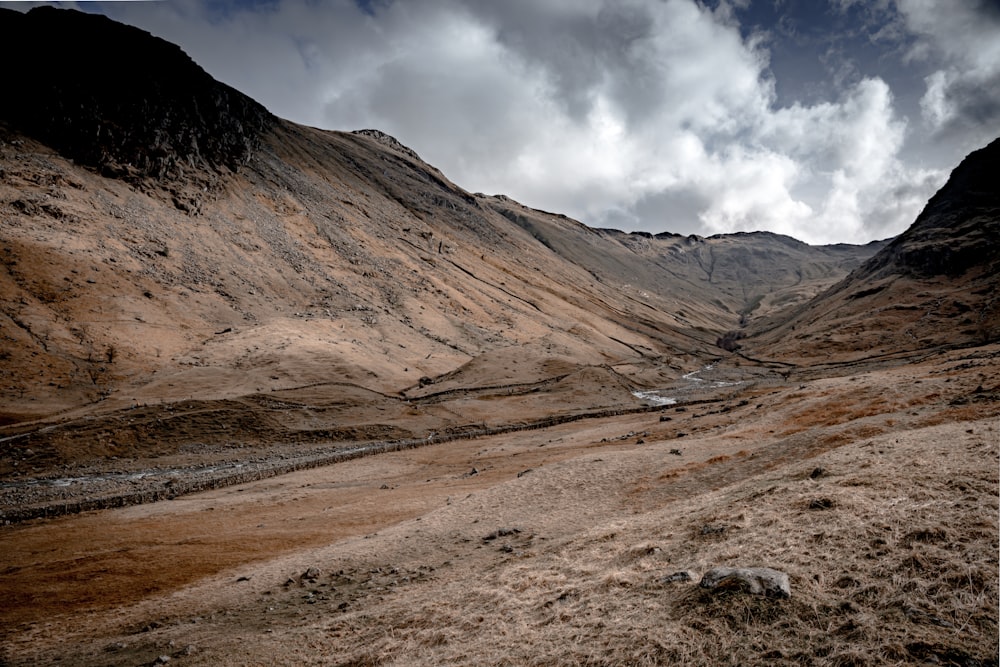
<point>892,549</point>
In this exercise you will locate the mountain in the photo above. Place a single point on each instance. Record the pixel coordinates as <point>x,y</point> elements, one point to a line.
<point>204,303</point>
<point>933,287</point>
<point>743,274</point>
<point>170,240</point>
<point>120,101</point>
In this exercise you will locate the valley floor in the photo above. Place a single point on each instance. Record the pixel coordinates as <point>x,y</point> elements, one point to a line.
<point>875,490</point>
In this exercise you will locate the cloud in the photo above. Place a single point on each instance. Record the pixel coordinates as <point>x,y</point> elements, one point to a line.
<point>284,53</point>
<point>962,94</point>
<point>653,115</point>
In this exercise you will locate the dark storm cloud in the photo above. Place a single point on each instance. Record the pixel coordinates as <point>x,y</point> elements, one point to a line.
<point>674,209</point>
<point>972,104</point>
<point>564,44</point>
<point>960,42</point>
<point>583,50</point>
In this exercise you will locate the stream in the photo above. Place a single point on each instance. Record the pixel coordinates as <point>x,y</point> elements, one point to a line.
<point>693,381</point>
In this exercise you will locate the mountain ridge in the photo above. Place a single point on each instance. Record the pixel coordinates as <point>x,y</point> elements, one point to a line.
<point>288,219</point>
<point>340,258</point>
<point>966,208</point>
<point>136,108</point>
<point>932,287</point>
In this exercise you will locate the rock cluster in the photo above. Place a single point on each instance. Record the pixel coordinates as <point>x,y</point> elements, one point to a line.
<point>754,580</point>
<point>390,141</point>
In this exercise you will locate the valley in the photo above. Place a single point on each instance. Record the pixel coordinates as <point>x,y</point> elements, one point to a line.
<point>290,567</point>
<point>273,394</point>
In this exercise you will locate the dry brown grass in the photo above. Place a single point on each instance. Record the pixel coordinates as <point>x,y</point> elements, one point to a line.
<point>892,555</point>
<point>888,532</point>
<point>835,408</point>
<point>960,413</point>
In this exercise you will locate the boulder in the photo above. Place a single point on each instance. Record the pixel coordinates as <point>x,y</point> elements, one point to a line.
<point>312,574</point>
<point>677,577</point>
<point>754,580</point>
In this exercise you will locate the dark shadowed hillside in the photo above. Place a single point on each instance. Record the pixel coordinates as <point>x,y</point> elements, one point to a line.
<point>957,233</point>
<point>934,286</point>
<point>121,101</point>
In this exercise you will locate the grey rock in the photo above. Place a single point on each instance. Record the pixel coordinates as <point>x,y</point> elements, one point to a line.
<point>821,504</point>
<point>501,532</point>
<point>677,577</point>
<point>754,580</point>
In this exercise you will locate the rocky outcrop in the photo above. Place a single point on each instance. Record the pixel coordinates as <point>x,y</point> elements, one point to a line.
<point>754,580</point>
<point>959,228</point>
<point>116,99</point>
<point>389,141</point>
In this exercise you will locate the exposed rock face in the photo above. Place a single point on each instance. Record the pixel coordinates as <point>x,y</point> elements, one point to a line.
<point>933,287</point>
<point>130,105</point>
<point>754,580</point>
<point>958,230</point>
<point>390,141</point>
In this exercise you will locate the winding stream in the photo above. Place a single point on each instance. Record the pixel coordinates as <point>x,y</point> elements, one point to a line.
<point>659,397</point>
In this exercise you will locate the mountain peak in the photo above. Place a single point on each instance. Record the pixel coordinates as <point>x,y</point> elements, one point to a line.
<point>119,100</point>
<point>957,230</point>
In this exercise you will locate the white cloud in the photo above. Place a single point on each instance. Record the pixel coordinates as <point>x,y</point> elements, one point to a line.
<point>645,114</point>
<point>937,109</point>
<point>822,173</point>
<point>751,190</point>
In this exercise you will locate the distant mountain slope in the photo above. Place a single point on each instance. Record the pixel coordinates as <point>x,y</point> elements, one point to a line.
<point>167,239</point>
<point>935,285</point>
<point>725,278</point>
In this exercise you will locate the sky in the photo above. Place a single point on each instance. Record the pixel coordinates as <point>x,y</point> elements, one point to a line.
<point>832,121</point>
